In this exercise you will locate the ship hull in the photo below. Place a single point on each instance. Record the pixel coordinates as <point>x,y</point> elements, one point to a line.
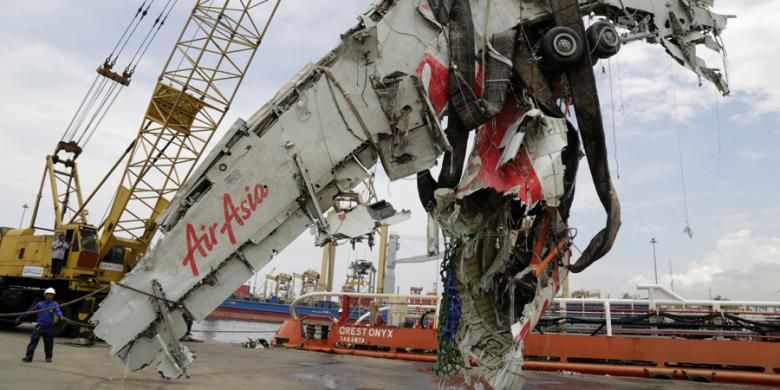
<point>247,310</point>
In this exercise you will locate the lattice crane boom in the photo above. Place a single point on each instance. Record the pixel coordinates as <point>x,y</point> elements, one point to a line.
<point>192,95</point>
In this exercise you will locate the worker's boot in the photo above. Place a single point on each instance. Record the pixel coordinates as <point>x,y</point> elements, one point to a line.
<point>48,360</point>
<point>26,359</point>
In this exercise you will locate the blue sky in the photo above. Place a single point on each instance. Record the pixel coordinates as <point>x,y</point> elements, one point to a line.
<point>50,49</point>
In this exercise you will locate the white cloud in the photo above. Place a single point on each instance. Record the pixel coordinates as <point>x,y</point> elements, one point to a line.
<point>651,171</point>
<point>646,228</point>
<point>751,42</point>
<point>649,85</point>
<point>741,267</point>
<point>586,200</point>
<point>751,155</point>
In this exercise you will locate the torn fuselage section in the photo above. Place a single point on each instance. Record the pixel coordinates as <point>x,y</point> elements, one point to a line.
<point>358,221</point>
<point>509,238</point>
<point>506,219</point>
<point>681,27</point>
<point>506,69</point>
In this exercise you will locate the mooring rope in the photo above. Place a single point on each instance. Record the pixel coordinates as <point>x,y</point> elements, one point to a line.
<point>26,313</point>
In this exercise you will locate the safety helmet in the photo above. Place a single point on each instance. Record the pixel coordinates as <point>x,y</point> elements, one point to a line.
<point>50,291</point>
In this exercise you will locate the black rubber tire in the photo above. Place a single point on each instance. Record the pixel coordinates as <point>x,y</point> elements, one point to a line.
<point>603,39</point>
<point>562,47</point>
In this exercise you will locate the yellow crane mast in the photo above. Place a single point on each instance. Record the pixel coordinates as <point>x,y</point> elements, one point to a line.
<point>190,100</point>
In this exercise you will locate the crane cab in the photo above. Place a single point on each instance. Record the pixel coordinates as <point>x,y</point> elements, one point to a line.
<point>111,267</point>
<point>25,254</point>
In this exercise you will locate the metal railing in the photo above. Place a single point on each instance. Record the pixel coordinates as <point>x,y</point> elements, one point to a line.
<point>382,302</point>
<point>664,314</point>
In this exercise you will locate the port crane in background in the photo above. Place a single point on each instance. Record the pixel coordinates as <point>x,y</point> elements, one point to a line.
<point>192,94</point>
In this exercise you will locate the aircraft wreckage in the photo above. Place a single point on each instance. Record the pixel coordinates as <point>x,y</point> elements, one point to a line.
<point>505,69</point>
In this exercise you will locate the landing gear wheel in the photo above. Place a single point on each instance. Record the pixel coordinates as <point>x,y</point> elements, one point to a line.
<point>603,39</point>
<point>562,48</point>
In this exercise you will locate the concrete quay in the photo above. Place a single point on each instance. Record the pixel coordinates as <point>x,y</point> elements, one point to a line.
<point>228,366</point>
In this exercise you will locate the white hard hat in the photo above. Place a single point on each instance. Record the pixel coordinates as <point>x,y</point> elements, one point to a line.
<point>50,291</point>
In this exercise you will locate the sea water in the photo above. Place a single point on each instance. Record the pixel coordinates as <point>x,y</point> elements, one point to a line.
<point>233,331</point>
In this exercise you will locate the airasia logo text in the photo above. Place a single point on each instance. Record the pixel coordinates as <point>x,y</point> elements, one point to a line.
<point>205,241</point>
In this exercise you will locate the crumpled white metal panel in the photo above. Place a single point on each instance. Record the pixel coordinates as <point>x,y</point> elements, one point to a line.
<point>357,222</point>
<point>544,144</point>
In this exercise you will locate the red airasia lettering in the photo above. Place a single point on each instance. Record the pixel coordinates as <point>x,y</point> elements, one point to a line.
<point>204,243</point>
<point>194,243</point>
<point>209,243</point>
<point>231,214</point>
<point>213,234</point>
<point>245,212</point>
<point>256,197</point>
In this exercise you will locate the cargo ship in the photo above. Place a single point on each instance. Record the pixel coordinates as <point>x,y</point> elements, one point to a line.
<point>279,291</point>
<point>270,309</point>
<point>662,336</point>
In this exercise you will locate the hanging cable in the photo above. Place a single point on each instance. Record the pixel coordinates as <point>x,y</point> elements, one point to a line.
<point>614,127</point>
<point>97,112</point>
<point>148,34</point>
<point>137,12</point>
<point>622,107</point>
<point>78,117</point>
<point>717,120</point>
<point>110,104</point>
<point>143,14</point>
<point>101,96</point>
<point>144,46</point>
<point>81,105</point>
<point>687,230</point>
<point>87,109</point>
<point>153,37</point>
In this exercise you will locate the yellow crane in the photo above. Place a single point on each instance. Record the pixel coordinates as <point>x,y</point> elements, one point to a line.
<point>194,91</point>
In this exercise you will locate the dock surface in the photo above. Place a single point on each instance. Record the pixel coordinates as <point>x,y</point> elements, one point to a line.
<point>229,366</point>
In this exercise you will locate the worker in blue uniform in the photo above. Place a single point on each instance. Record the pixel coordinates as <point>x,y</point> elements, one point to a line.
<point>47,316</point>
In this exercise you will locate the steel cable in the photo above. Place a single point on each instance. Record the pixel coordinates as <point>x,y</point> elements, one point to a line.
<point>137,12</point>
<point>87,109</point>
<point>72,130</point>
<point>143,14</point>
<point>97,125</point>
<point>97,112</point>
<point>30,312</point>
<point>81,105</point>
<point>132,68</point>
<point>149,33</point>
<point>116,89</point>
